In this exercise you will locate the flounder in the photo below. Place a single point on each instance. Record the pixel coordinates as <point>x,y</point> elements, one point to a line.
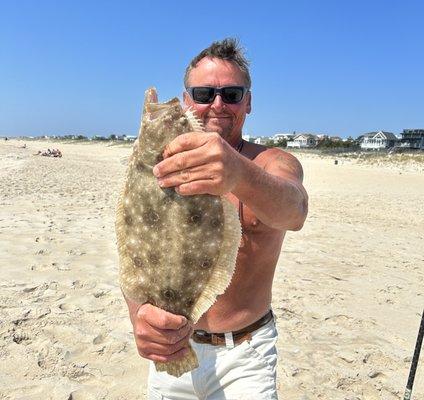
<point>175,252</point>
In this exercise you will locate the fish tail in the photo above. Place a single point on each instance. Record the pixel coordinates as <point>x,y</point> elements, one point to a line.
<point>179,367</point>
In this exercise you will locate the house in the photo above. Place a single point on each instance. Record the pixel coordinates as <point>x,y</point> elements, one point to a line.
<point>282,136</point>
<point>377,140</point>
<point>303,140</point>
<point>412,139</point>
<point>261,140</point>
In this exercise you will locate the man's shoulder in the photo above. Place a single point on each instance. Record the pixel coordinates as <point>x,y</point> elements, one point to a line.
<point>275,160</point>
<point>263,154</point>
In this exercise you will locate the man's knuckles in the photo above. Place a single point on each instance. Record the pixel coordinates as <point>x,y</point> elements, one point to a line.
<point>159,318</point>
<point>141,333</point>
<point>180,161</point>
<point>144,311</point>
<point>214,136</point>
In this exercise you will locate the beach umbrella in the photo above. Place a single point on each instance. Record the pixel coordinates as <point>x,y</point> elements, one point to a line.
<point>414,363</point>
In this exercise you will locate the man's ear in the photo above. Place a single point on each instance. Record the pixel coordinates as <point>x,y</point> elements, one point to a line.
<point>249,102</point>
<point>186,98</point>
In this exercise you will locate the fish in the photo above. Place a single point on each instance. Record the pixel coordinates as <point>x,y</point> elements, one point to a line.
<point>176,252</point>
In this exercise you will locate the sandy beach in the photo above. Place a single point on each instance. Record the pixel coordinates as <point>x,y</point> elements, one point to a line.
<point>348,290</point>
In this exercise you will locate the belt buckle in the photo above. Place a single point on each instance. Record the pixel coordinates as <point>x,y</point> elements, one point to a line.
<point>201,333</point>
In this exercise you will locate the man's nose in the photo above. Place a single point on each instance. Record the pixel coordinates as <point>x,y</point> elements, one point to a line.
<point>217,103</point>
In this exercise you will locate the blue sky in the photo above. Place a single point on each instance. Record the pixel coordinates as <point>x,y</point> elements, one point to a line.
<point>336,67</point>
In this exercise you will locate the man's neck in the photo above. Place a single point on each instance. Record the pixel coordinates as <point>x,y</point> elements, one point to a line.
<point>235,142</point>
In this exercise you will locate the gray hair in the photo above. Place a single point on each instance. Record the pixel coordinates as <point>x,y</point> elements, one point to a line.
<point>227,49</point>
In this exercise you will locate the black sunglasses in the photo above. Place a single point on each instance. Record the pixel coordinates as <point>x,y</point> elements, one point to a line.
<point>207,94</point>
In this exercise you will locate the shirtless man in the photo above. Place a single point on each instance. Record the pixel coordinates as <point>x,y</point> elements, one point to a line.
<point>265,185</point>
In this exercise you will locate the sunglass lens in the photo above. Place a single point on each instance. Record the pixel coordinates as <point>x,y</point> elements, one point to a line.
<point>232,95</point>
<point>203,94</point>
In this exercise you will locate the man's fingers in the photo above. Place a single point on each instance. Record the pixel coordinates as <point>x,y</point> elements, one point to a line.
<point>188,141</point>
<point>185,176</point>
<point>159,318</point>
<point>167,349</point>
<point>181,161</point>
<point>196,187</point>
<point>151,334</point>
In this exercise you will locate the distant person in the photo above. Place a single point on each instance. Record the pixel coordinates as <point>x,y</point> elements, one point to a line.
<point>235,339</point>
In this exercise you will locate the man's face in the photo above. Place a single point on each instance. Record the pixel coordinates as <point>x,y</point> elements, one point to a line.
<point>225,119</point>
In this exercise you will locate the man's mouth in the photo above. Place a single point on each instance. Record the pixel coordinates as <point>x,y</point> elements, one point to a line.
<point>217,116</point>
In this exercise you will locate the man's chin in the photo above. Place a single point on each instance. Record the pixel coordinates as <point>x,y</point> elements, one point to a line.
<point>222,130</point>
<point>225,133</point>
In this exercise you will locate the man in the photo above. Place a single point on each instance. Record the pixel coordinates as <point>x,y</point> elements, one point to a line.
<point>237,361</point>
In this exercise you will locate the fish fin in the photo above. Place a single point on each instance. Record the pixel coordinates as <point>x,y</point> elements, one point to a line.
<point>179,367</point>
<point>127,270</point>
<point>150,96</point>
<point>225,266</point>
<point>195,122</point>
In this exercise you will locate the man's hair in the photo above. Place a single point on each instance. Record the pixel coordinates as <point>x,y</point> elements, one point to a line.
<point>227,49</point>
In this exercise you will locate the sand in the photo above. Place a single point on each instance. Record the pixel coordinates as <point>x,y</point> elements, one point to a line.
<point>348,291</point>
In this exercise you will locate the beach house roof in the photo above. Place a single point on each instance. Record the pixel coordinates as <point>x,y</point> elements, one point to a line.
<point>382,134</point>
<point>305,135</point>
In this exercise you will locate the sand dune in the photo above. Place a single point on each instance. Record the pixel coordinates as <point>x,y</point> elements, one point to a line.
<point>348,293</point>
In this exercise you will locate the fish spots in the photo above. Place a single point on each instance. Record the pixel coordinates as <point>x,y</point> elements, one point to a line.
<point>206,263</point>
<point>169,294</point>
<point>151,217</point>
<point>138,262</point>
<point>195,217</point>
<point>153,258</point>
<point>189,302</point>
<point>216,223</point>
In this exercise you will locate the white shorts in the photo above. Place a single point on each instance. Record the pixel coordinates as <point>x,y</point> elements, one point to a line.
<point>247,371</point>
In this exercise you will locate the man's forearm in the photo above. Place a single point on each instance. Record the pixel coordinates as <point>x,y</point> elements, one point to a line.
<point>279,203</point>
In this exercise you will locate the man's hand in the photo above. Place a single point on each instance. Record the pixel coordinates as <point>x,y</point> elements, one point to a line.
<point>159,335</point>
<point>199,163</point>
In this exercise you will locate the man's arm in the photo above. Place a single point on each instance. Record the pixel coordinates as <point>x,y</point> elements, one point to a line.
<point>198,163</point>
<point>274,193</point>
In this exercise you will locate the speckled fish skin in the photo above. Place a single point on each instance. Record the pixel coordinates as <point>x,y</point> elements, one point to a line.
<point>175,252</point>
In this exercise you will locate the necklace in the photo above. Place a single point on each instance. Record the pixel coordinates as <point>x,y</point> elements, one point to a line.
<point>239,148</point>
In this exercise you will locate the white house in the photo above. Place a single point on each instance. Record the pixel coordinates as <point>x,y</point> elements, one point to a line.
<point>261,140</point>
<point>129,138</point>
<point>281,136</point>
<point>303,140</point>
<point>378,140</point>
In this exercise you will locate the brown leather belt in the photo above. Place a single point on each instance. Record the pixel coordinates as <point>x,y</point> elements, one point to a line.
<point>218,339</point>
